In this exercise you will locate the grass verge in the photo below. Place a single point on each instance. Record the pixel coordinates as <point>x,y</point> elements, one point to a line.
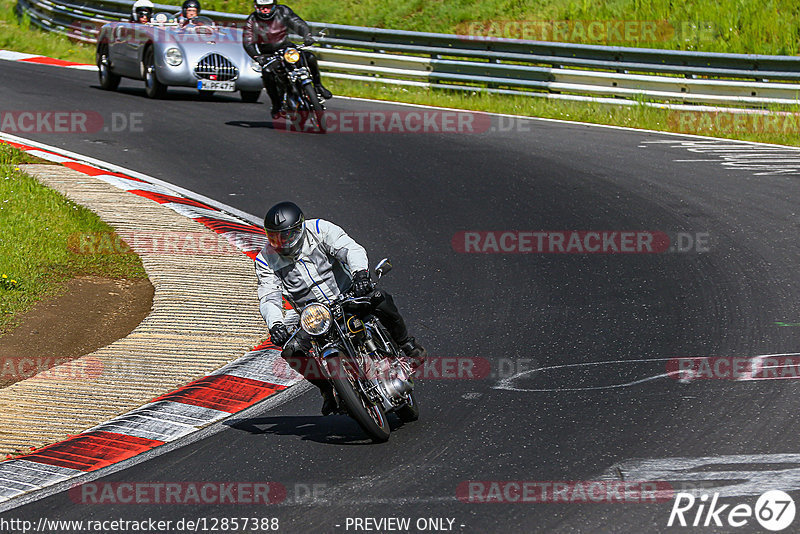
<point>773,128</point>
<point>735,26</point>
<point>22,36</point>
<point>37,226</point>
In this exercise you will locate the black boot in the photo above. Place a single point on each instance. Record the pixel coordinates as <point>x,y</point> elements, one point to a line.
<point>324,93</point>
<point>415,353</point>
<point>329,405</point>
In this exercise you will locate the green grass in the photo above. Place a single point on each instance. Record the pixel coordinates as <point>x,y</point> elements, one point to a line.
<point>21,36</point>
<point>37,227</point>
<point>743,26</point>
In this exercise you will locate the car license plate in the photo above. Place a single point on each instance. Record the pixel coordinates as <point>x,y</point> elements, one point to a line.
<point>213,85</point>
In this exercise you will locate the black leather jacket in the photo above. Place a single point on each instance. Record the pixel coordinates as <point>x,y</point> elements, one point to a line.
<point>267,36</point>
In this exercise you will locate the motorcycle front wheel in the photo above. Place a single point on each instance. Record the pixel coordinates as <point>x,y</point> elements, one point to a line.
<point>409,412</point>
<point>317,111</point>
<point>371,418</point>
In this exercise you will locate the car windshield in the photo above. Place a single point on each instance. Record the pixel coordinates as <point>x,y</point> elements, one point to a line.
<point>199,21</point>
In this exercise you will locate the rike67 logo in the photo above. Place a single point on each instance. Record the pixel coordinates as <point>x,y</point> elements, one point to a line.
<point>774,510</point>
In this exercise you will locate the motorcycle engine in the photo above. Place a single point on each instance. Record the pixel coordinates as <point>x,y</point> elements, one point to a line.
<point>394,379</point>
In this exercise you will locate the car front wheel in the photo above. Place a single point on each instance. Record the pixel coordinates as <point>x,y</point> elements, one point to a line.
<point>152,87</point>
<point>108,80</point>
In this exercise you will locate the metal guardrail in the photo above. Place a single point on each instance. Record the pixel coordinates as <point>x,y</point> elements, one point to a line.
<point>467,63</point>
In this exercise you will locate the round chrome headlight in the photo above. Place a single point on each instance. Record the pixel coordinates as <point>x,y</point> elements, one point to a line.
<point>173,57</point>
<point>291,55</point>
<point>315,319</point>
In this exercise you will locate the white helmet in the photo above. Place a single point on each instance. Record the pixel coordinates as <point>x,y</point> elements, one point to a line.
<point>142,6</point>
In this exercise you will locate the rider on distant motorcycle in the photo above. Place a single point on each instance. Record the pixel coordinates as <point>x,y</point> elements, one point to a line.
<point>315,260</point>
<point>267,30</point>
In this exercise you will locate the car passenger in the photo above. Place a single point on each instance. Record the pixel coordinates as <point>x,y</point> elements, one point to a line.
<point>189,10</point>
<point>142,11</point>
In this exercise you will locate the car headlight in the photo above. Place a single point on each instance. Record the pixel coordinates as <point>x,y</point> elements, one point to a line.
<point>315,319</point>
<point>291,55</point>
<point>255,65</point>
<point>173,57</point>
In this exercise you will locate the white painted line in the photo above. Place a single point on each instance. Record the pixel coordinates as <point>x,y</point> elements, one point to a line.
<point>698,475</point>
<point>507,383</point>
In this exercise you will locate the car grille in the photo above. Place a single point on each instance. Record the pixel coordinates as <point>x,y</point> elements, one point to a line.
<point>216,67</point>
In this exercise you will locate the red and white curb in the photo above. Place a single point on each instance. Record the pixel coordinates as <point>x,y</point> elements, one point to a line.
<point>10,55</point>
<point>254,377</point>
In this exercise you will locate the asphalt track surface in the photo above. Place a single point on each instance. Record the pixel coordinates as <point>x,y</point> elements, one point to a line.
<point>406,196</point>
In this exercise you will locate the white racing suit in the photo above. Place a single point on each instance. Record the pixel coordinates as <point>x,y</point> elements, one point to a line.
<point>320,273</point>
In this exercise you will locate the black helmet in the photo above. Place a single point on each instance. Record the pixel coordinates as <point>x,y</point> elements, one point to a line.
<point>259,4</point>
<point>285,228</point>
<point>190,3</point>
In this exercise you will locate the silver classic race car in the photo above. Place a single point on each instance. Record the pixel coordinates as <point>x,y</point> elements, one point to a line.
<point>197,53</point>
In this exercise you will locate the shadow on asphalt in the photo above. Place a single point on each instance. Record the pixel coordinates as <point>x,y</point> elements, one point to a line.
<point>253,124</point>
<point>182,94</point>
<point>332,429</point>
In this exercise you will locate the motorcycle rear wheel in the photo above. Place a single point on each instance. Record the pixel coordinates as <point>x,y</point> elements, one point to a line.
<point>371,418</point>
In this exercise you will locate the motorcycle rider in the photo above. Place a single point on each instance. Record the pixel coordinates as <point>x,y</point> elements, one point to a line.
<point>189,10</point>
<point>267,30</point>
<point>315,260</point>
<point>142,11</point>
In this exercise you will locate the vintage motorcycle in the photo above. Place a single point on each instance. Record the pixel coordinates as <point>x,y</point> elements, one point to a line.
<point>300,98</point>
<point>367,369</point>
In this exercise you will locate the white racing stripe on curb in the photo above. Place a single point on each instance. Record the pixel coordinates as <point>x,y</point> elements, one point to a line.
<point>47,156</point>
<point>164,421</point>
<point>10,55</point>
<point>193,212</point>
<point>30,475</point>
<point>133,185</point>
<point>265,365</point>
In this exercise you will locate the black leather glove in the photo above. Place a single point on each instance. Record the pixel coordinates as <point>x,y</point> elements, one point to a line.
<point>279,334</point>
<point>309,40</point>
<point>261,60</point>
<point>362,284</point>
